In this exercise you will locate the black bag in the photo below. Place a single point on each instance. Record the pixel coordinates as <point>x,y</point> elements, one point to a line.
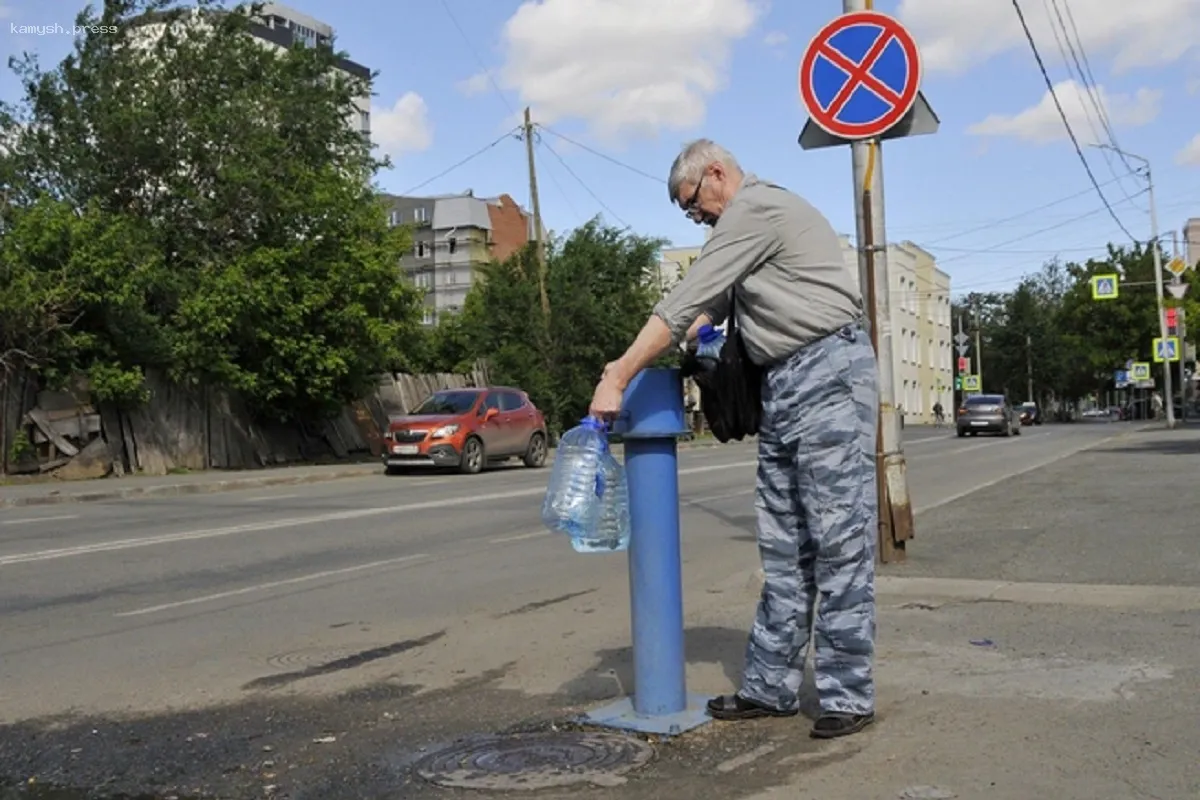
<point>730,392</point>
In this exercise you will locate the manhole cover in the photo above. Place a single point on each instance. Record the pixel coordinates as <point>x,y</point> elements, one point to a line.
<point>311,657</point>
<point>536,761</point>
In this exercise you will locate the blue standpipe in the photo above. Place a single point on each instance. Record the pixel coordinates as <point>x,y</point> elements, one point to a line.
<point>651,422</point>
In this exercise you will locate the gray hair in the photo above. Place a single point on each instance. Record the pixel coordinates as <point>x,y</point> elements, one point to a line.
<point>691,162</point>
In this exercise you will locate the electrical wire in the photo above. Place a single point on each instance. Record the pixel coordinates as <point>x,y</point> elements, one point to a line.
<point>1020,215</point>
<point>598,154</point>
<point>1062,114</point>
<point>1087,67</point>
<point>466,160</point>
<point>478,59</point>
<point>563,192</point>
<point>542,141</point>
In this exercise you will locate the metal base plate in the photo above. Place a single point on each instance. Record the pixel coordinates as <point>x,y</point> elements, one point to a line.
<point>620,715</point>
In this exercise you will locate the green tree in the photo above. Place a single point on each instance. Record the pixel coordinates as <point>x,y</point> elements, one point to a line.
<point>245,245</point>
<point>1103,334</point>
<point>601,288</point>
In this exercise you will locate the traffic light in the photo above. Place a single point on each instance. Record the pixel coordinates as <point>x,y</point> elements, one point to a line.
<point>1172,320</point>
<point>962,364</point>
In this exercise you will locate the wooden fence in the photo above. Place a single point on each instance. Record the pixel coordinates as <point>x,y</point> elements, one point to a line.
<point>69,436</point>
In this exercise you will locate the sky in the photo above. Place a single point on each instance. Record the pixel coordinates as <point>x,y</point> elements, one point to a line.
<point>618,86</point>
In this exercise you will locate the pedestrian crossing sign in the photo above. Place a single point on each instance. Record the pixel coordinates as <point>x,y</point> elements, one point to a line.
<point>1104,287</point>
<point>1166,349</point>
<point>1139,371</point>
<point>971,383</point>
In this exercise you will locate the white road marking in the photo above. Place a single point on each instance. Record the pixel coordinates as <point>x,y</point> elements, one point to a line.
<point>267,498</point>
<point>520,537</point>
<point>291,522</point>
<point>262,587</point>
<point>39,519</point>
<point>713,497</point>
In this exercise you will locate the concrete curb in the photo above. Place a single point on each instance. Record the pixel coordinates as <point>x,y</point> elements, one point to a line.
<point>361,470</point>
<point>176,489</point>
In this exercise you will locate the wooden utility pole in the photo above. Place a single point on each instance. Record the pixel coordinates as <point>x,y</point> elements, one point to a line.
<point>539,239</point>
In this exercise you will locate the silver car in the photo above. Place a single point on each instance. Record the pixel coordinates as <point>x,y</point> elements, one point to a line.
<point>988,413</point>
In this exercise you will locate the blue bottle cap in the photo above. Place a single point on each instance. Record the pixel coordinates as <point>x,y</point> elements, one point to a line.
<point>708,334</point>
<point>592,423</point>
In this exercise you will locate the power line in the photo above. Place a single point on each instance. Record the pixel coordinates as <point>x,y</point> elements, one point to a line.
<point>1038,232</point>
<point>1087,66</point>
<point>541,140</point>
<point>598,154</point>
<point>469,158</point>
<point>1089,93</point>
<point>1062,114</point>
<point>994,223</point>
<point>566,198</point>
<point>478,59</point>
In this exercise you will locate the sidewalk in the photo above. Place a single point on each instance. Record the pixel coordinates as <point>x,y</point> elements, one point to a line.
<point>49,491</point>
<point>1040,642</point>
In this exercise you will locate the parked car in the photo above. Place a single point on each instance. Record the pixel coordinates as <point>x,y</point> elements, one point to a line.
<point>1031,414</point>
<point>466,429</point>
<point>988,413</point>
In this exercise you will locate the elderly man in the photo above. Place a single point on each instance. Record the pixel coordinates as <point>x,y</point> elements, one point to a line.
<point>800,313</point>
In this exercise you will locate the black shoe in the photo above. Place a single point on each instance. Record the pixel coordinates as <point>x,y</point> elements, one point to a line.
<point>831,725</point>
<point>735,707</point>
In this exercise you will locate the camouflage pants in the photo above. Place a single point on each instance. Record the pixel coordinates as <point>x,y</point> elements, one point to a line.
<point>817,512</point>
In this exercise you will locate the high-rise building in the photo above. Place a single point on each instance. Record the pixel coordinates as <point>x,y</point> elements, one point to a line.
<point>922,345</point>
<point>454,235</point>
<point>1191,242</point>
<point>281,27</point>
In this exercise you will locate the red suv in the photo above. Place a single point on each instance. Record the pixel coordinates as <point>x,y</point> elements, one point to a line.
<point>467,428</point>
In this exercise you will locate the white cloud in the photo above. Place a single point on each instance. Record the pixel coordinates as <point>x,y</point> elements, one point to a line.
<point>1189,156</point>
<point>403,128</point>
<point>476,84</point>
<point>955,35</point>
<point>775,39</point>
<point>1042,124</point>
<point>623,66</point>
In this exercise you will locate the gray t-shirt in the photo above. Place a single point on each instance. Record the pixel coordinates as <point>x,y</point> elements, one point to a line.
<point>793,286</point>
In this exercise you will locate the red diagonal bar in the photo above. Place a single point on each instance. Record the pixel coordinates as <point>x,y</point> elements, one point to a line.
<point>859,74</point>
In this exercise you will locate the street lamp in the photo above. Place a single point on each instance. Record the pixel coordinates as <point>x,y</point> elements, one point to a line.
<point>1158,278</point>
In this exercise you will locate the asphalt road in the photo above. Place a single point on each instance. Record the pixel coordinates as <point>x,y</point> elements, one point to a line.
<point>145,605</point>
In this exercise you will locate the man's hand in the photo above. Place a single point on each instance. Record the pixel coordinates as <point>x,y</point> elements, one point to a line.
<point>606,400</point>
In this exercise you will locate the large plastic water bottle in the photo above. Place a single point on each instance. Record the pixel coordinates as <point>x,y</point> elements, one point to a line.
<point>577,481</point>
<point>708,345</point>
<point>612,529</point>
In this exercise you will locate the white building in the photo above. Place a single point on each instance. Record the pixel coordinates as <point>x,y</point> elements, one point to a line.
<point>922,346</point>
<point>280,27</point>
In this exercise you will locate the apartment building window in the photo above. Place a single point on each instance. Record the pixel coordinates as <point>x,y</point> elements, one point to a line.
<point>452,277</point>
<point>420,214</point>
<point>916,348</point>
<point>364,121</point>
<point>393,218</point>
<point>453,244</point>
<point>428,317</point>
<point>419,249</point>
<point>904,345</point>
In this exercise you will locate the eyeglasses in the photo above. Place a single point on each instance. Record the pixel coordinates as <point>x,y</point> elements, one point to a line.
<point>690,206</point>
